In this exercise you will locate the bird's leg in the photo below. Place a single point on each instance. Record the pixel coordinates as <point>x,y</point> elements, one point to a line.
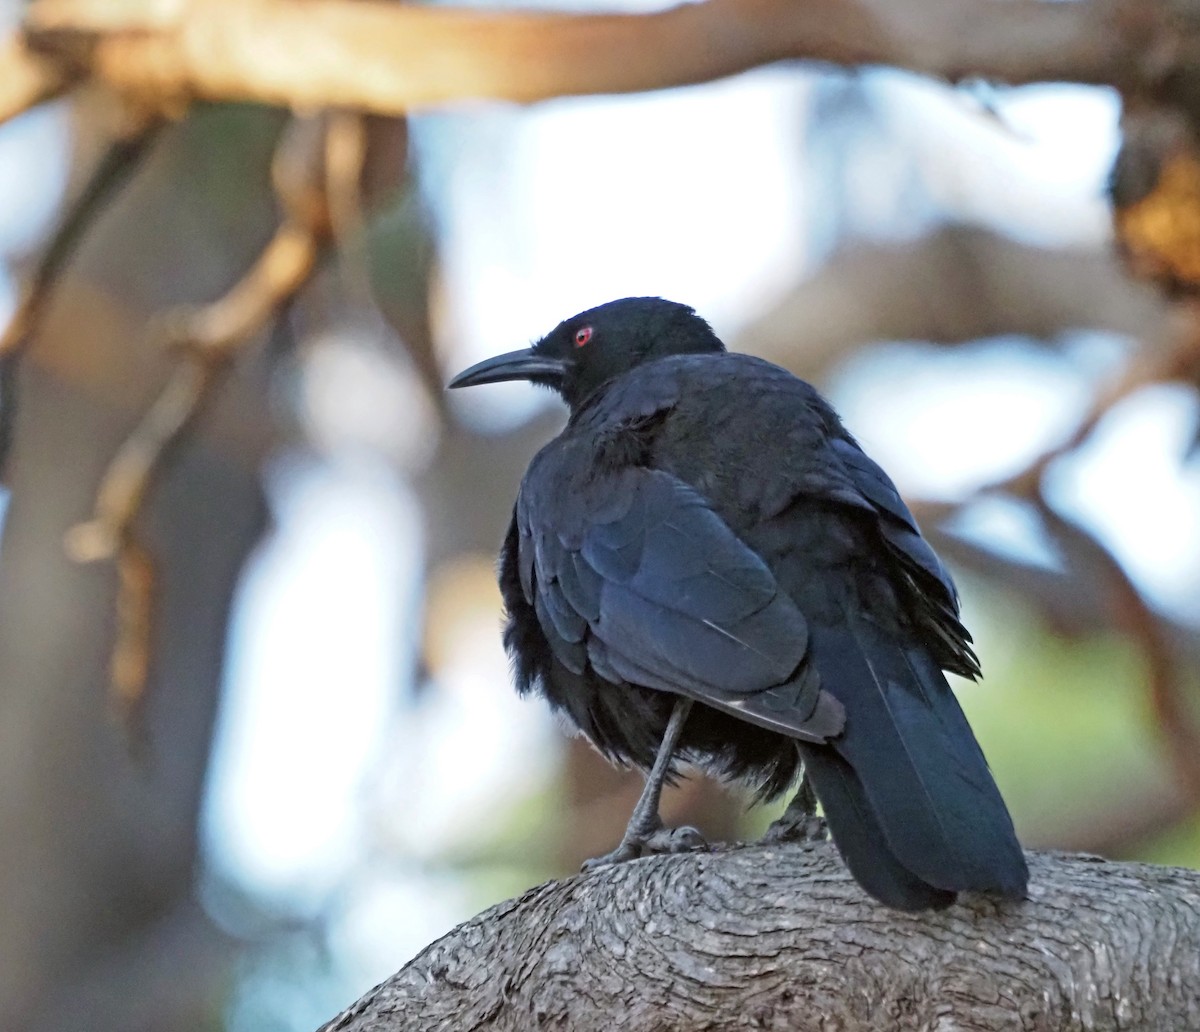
<point>799,822</point>
<point>645,834</point>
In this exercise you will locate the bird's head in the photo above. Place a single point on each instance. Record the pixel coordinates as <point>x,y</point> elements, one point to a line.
<point>590,348</point>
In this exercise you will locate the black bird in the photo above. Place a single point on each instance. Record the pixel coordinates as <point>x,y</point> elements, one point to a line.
<point>705,566</point>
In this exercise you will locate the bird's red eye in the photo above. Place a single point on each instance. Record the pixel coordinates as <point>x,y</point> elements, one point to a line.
<point>582,336</point>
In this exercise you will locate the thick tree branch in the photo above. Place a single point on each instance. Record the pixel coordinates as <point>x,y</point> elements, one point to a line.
<point>781,938</point>
<point>390,58</point>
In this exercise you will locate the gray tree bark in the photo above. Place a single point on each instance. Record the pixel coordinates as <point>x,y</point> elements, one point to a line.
<point>780,937</point>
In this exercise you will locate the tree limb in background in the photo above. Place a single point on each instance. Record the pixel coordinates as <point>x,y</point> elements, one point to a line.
<point>782,938</point>
<point>1132,615</point>
<point>953,285</point>
<point>206,338</point>
<point>28,78</point>
<point>391,58</point>
<point>113,171</point>
<point>1174,359</point>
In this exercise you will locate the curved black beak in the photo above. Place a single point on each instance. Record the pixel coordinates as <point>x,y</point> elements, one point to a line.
<point>516,365</point>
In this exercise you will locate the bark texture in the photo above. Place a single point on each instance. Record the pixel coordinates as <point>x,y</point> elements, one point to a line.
<point>780,937</point>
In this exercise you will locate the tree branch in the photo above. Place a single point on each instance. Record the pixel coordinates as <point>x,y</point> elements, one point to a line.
<point>114,169</point>
<point>781,938</point>
<point>390,58</point>
<point>205,337</point>
<point>27,78</point>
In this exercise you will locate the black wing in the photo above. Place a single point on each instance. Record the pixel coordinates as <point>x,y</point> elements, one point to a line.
<point>931,594</point>
<point>635,575</point>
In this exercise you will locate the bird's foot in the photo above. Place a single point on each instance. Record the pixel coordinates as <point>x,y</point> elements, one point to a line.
<point>791,827</point>
<point>657,840</point>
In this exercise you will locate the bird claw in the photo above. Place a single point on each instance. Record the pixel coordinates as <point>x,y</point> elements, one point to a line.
<point>791,828</point>
<point>660,840</point>
<point>685,839</point>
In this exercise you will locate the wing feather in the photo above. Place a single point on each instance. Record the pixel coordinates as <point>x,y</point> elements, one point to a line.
<point>652,587</point>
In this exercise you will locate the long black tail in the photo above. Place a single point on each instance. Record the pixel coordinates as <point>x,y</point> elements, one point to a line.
<point>906,790</point>
<point>859,837</point>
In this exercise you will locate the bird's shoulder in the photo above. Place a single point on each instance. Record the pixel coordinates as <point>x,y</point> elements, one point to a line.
<point>746,434</point>
<point>715,383</point>
<point>752,437</point>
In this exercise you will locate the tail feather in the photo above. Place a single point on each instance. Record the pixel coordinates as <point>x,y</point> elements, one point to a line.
<point>860,839</point>
<point>921,772</point>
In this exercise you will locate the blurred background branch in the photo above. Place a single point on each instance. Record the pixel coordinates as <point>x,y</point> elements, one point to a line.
<point>113,169</point>
<point>27,78</point>
<point>203,340</point>
<point>390,58</point>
